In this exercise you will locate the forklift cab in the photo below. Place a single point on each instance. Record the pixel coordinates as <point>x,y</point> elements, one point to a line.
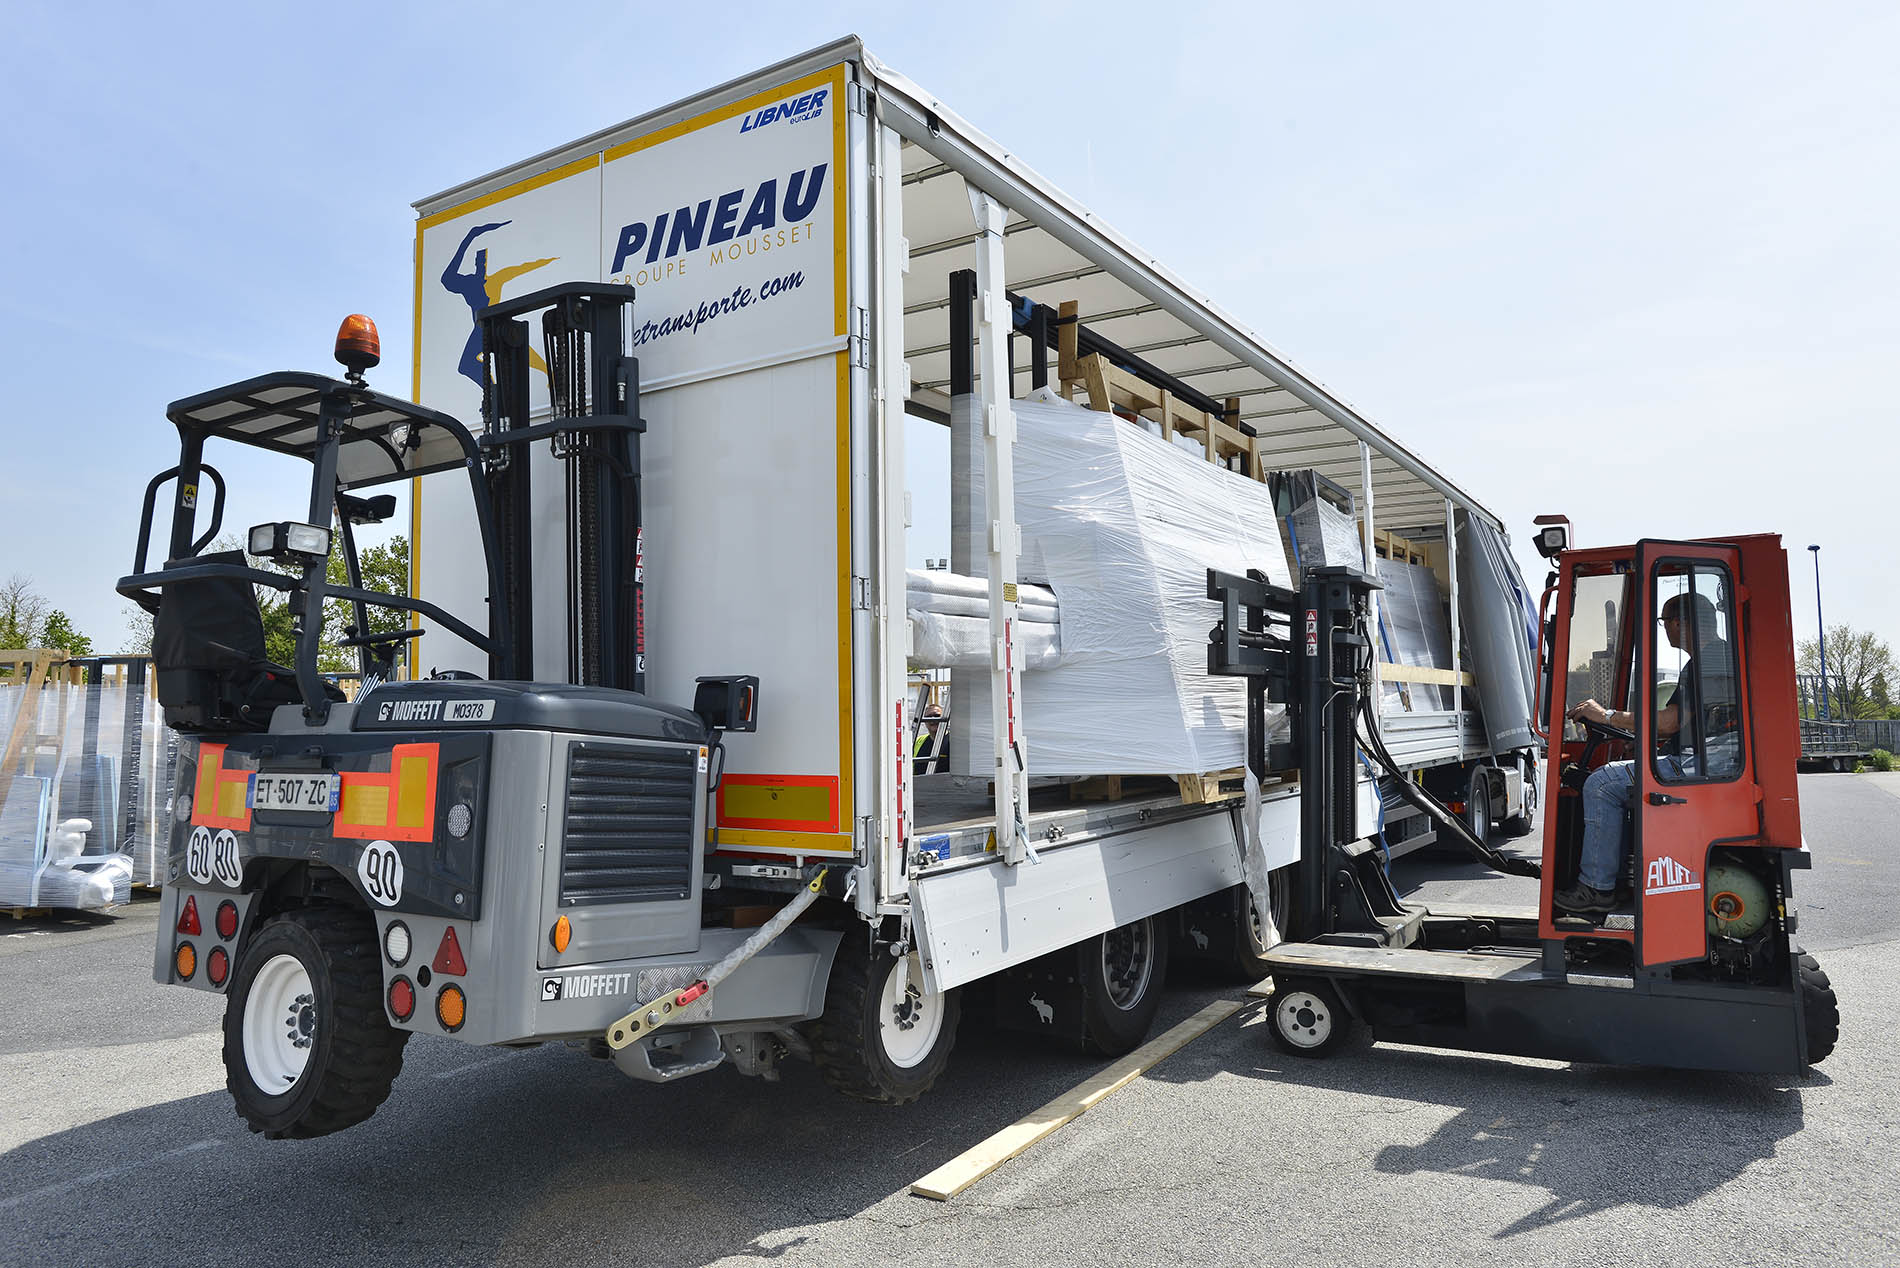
<point>1693,641</point>
<point>208,636</point>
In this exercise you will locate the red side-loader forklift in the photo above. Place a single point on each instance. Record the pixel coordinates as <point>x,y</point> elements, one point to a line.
<point>1694,964</point>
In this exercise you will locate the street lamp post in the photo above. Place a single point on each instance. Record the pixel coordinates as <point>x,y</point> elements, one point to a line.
<point>1821,628</point>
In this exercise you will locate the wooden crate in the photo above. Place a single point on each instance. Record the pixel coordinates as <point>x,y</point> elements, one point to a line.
<point>1109,389</point>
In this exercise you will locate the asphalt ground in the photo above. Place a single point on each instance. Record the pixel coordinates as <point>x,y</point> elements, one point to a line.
<point>118,1144</point>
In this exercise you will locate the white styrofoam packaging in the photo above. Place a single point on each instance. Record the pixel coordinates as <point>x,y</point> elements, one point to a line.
<point>1123,527</point>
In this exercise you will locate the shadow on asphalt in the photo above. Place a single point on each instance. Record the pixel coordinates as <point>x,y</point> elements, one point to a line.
<point>1593,1137</point>
<point>484,1156</point>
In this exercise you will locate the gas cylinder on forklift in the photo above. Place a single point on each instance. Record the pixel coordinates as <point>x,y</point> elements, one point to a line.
<point>1693,965</point>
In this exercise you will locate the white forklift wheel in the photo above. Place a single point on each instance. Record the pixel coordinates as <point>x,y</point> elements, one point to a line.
<point>909,1020</point>
<point>1304,1018</point>
<point>1307,1019</point>
<point>280,1024</point>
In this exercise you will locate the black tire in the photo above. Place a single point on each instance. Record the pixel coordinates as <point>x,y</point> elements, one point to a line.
<point>354,1054</point>
<point>1306,1019</point>
<point>1838,765</point>
<point>849,1043</point>
<point>1249,944</point>
<point>1478,806</point>
<point>1519,825</point>
<point>1122,974</point>
<point>1820,1010</point>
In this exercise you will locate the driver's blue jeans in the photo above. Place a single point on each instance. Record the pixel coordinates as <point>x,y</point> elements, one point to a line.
<point>1606,799</point>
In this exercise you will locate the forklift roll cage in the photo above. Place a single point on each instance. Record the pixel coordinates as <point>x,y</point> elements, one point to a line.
<point>355,438</point>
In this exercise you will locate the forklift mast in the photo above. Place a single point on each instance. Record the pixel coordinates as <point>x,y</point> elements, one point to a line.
<point>1309,650</point>
<point>594,428</point>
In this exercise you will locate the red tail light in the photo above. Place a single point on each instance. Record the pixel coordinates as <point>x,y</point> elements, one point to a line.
<point>227,920</point>
<point>217,966</point>
<point>448,956</point>
<point>188,918</point>
<point>402,999</point>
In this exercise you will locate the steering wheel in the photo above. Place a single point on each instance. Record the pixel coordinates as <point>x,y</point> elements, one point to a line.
<point>1598,732</point>
<point>1604,731</point>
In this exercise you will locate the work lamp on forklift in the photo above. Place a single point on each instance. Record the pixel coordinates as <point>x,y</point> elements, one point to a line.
<point>289,542</point>
<point>1553,536</point>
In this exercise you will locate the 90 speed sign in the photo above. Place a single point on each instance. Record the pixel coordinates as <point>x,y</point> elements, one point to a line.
<point>379,867</point>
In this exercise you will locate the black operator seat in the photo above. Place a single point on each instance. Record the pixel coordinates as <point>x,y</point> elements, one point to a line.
<point>208,648</point>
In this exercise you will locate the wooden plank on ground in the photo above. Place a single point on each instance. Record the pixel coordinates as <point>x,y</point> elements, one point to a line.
<point>966,1169</point>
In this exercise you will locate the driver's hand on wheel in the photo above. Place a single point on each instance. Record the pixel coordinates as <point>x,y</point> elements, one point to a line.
<point>1589,711</point>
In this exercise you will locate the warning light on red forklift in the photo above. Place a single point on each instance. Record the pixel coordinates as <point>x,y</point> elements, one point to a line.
<point>561,934</point>
<point>357,346</point>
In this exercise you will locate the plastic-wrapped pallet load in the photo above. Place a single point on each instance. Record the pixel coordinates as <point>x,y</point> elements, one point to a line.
<point>1320,532</point>
<point>1415,630</point>
<point>1123,527</point>
<point>950,623</point>
<point>82,798</point>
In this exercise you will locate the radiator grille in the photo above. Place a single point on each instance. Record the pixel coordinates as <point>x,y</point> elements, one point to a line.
<point>628,832</point>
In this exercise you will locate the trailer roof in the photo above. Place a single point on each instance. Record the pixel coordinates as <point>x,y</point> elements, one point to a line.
<point>1055,249</point>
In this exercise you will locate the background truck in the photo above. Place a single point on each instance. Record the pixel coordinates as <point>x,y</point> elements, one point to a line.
<point>687,484</point>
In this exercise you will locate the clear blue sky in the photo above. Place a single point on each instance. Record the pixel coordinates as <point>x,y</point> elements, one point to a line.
<point>1632,262</point>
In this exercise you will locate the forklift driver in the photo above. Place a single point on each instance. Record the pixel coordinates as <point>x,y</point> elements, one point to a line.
<point>1706,683</point>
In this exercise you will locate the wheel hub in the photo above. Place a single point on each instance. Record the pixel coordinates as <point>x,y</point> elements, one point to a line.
<point>1128,963</point>
<point>910,1021</point>
<point>280,1024</point>
<point>1304,1019</point>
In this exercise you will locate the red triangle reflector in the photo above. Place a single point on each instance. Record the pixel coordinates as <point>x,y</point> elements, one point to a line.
<point>188,919</point>
<point>448,956</point>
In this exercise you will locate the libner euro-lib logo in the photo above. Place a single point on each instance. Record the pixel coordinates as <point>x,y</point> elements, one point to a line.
<point>797,110</point>
<point>1666,876</point>
<point>479,288</point>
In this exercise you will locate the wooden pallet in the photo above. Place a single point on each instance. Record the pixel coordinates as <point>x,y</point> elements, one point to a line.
<point>1109,389</point>
<point>27,671</point>
<point>1198,790</point>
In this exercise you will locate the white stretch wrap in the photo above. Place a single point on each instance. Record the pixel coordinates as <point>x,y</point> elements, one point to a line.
<point>963,642</point>
<point>1123,527</point>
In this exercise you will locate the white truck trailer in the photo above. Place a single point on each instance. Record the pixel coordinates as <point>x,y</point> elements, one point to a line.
<point>785,273</point>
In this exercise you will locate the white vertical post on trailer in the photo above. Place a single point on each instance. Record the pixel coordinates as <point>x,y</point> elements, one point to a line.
<point>869,726</point>
<point>891,260</point>
<point>1004,538</point>
<point>1372,566</point>
<point>1457,662</point>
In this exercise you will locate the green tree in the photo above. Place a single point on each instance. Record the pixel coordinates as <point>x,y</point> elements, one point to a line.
<point>22,613</point>
<point>1856,661</point>
<point>58,631</point>
<point>384,568</point>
